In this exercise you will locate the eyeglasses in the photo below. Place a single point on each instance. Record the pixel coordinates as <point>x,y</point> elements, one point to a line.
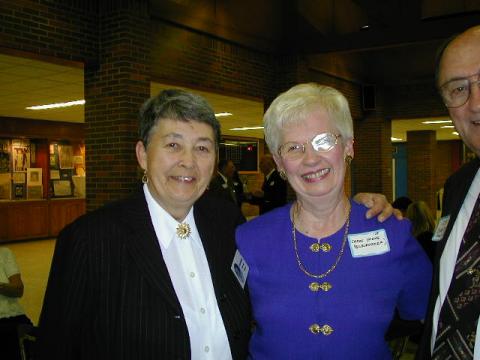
<point>322,143</point>
<point>456,92</point>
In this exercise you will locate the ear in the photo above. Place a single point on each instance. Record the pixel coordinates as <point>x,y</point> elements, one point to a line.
<point>278,161</point>
<point>348,149</point>
<point>141,153</point>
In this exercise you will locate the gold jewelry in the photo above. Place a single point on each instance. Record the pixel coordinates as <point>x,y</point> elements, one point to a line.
<point>316,247</point>
<point>342,248</point>
<point>183,230</point>
<point>145,177</point>
<point>283,174</point>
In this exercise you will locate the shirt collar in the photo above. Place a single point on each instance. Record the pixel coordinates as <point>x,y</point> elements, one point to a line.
<point>225,180</point>
<point>165,225</point>
<point>269,174</point>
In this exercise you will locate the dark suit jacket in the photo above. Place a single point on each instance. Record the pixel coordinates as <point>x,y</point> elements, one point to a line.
<point>455,190</point>
<point>109,294</point>
<point>274,193</point>
<point>217,188</point>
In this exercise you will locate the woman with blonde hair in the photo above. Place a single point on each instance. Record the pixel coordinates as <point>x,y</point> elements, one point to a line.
<point>324,280</point>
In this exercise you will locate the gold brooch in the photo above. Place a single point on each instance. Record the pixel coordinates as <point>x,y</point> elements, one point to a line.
<point>183,230</point>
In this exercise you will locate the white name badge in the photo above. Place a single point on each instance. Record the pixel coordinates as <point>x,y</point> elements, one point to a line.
<point>240,268</point>
<point>440,229</point>
<point>369,243</point>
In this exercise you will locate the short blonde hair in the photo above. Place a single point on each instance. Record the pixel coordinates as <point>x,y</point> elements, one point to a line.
<point>294,105</point>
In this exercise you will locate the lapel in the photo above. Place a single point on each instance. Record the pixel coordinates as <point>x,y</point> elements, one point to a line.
<point>455,195</point>
<point>145,249</point>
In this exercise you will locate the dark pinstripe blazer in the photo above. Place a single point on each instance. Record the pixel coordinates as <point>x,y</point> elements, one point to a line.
<point>454,192</point>
<point>109,295</point>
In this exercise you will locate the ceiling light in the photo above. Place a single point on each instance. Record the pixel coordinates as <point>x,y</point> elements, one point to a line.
<point>447,127</point>
<point>56,105</point>
<point>223,114</point>
<point>247,128</point>
<point>395,139</point>
<point>437,122</point>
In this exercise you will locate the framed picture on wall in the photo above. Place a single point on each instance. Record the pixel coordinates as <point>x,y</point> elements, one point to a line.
<point>35,192</point>
<point>34,176</point>
<point>62,188</point>
<point>19,191</point>
<point>65,156</point>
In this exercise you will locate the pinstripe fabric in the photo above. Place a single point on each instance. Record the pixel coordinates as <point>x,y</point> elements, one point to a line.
<point>109,295</point>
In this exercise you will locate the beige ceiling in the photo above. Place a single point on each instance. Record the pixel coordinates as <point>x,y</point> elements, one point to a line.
<point>27,82</point>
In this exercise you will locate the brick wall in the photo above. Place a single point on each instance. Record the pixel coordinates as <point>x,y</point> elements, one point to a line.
<point>180,56</point>
<point>421,183</point>
<point>114,91</point>
<point>62,29</point>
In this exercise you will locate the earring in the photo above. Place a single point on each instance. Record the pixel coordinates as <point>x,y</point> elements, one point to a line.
<point>348,159</point>
<point>145,177</point>
<point>283,174</point>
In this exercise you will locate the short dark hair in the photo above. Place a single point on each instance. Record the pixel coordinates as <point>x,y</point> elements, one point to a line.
<point>179,105</point>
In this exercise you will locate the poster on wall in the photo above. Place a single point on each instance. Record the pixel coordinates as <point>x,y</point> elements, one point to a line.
<point>4,156</point>
<point>65,156</point>
<point>18,178</point>
<point>4,162</point>
<point>5,186</point>
<point>21,155</point>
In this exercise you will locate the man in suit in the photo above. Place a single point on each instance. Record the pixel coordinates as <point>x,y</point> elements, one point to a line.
<point>222,184</point>
<point>274,188</point>
<point>451,327</point>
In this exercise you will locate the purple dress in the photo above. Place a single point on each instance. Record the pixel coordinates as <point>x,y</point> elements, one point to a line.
<point>355,312</point>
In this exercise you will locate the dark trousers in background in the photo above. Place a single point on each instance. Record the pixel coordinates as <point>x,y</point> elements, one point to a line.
<point>9,345</point>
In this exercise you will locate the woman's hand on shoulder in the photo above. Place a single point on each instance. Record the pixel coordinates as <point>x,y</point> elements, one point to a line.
<point>378,205</point>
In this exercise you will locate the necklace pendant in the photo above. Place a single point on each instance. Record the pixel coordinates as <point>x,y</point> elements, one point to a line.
<point>325,286</point>
<point>315,247</point>
<point>325,247</point>
<point>183,230</point>
<point>315,286</point>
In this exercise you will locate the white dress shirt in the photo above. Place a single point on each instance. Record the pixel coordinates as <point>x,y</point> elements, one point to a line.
<point>190,274</point>
<point>449,258</point>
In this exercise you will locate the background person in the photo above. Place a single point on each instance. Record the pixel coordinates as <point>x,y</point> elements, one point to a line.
<point>149,277</point>
<point>452,326</point>
<point>222,184</point>
<point>401,203</point>
<point>11,312</point>
<point>423,225</point>
<point>274,188</point>
<point>324,281</point>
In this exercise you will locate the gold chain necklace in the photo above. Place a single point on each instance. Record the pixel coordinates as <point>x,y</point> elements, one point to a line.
<point>342,248</point>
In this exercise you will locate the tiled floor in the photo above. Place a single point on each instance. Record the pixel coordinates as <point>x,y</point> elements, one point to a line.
<point>34,259</point>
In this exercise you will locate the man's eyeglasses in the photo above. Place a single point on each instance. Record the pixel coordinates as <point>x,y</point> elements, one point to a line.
<point>456,92</point>
<point>322,143</point>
